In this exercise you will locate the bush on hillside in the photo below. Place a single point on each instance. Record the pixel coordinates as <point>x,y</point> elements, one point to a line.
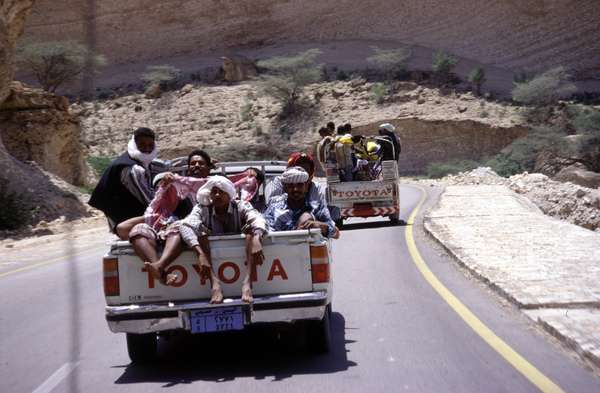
<point>442,67</point>
<point>437,170</point>
<point>477,78</point>
<point>393,63</point>
<point>544,89</point>
<point>57,63</point>
<point>163,76</point>
<point>246,111</point>
<point>520,155</point>
<point>99,163</point>
<point>13,210</point>
<point>587,124</point>
<point>378,93</point>
<point>287,77</point>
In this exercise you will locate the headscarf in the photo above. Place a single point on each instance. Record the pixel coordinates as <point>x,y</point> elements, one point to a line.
<point>222,183</point>
<point>295,157</point>
<point>294,175</point>
<point>136,154</point>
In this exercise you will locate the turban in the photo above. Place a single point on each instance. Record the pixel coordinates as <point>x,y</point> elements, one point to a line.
<point>294,175</point>
<point>222,183</point>
<point>387,127</point>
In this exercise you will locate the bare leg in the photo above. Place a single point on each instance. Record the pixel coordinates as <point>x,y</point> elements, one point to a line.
<point>205,262</point>
<point>173,248</point>
<point>247,282</point>
<point>145,248</point>
<point>125,227</point>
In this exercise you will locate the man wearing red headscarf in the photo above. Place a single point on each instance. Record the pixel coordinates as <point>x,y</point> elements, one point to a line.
<point>305,161</point>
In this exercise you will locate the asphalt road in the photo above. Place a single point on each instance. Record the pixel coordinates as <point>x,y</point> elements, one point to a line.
<point>392,332</point>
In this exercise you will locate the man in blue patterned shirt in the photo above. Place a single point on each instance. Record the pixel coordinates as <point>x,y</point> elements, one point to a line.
<point>295,209</point>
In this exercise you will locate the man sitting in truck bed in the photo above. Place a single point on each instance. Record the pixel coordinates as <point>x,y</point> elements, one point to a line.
<point>306,162</point>
<point>217,213</point>
<point>295,210</point>
<point>174,199</point>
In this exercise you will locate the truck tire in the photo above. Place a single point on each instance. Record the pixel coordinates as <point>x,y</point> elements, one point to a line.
<point>394,218</point>
<point>142,347</point>
<point>319,334</point>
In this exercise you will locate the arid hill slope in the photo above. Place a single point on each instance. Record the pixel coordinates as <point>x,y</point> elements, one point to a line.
<point>511,34</point>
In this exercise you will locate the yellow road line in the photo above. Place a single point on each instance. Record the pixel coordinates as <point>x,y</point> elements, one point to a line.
<point>48,262</point>
<point>510,355</point>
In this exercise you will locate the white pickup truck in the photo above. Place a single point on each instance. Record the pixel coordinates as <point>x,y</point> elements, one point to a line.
<point>293,285</point>
<point>380,197</point>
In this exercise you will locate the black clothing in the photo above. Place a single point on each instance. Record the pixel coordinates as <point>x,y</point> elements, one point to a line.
<point>395,140</point>
<point>112,197</point>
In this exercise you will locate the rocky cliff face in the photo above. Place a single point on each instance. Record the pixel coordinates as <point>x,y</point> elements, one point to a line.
<point>430,141</point>
<point>12,20</point>
<point>524,34</point>
<point>45,196</point>
<point>37,126</point>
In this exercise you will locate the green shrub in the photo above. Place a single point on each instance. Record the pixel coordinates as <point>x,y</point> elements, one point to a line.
<point>503,165</point>
<point>246,111</point>
<point>442,66</point>
<point>520,155</point>
<point>544,89</point>
<point>341,75</point>
<point>392,62</point>
<point>476,77</point>
<point>378,92</point>
<point>13,208</point>
<point>164,76</point>
<point>587,122</point>
<point>288,76</point>
<point>56,63</point>
<point>99,163</point>
<point>437,170</point>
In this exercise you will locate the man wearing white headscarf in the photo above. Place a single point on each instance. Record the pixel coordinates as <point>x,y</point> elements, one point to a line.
<point>125,188</point>
<point>295,209</point>
<point>219,213</point>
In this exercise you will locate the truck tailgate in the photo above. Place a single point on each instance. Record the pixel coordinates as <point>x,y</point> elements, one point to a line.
<point>286,269</point>
<point>361,191</point>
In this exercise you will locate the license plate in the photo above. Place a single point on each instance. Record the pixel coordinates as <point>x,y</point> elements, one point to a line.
<point>220,319</point>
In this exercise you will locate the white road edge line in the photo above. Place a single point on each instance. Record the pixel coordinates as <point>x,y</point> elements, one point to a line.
<point>53,381</point>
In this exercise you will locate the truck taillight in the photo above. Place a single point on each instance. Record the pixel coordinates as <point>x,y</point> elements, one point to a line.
<point>319,263</point>
<point>110,268</point>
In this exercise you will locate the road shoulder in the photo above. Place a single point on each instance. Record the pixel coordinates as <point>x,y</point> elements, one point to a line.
<point>543,265</point>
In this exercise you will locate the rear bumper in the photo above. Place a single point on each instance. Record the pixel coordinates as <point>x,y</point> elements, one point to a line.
<point>147,318</point>
<point>369,212</point>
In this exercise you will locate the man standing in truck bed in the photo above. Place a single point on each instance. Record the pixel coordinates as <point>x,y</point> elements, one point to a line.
<point>125,188</point>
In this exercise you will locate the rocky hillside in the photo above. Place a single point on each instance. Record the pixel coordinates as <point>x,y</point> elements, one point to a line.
<point>515,35</point>
<point>234,123</point>
<point>39,195</point>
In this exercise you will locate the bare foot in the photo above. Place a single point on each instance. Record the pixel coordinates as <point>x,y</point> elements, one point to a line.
<point>154,269</point>
<point>170,279</point>
<point>158,273</point>
<point>247,293</point>
<point>217,296</point>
